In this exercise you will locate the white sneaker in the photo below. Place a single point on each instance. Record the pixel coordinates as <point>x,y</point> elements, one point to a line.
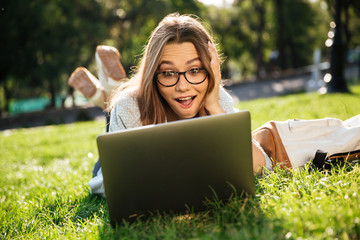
<point>111,72</point>
<point>82,80</point>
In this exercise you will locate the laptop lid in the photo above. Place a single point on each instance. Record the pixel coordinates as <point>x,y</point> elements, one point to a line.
<point>171,167</point>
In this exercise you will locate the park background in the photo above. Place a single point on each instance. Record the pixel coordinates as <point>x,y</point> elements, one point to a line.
<point>42,42</point>
<point>44,192</point>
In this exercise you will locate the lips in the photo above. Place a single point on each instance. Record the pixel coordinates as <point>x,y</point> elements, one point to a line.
<point>185,102</point>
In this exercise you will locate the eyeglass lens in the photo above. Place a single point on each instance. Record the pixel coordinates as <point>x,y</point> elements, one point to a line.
<point>193,76</point>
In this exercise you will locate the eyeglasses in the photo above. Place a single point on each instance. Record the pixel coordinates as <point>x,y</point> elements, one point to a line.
<point>171,78</point>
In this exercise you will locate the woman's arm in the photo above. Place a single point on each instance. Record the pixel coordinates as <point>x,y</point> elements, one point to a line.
<point>125,114</point>
<point>259,158</point>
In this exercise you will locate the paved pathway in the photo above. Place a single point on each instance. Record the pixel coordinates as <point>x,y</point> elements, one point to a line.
<point>266,88</point>
<point>280,86</point>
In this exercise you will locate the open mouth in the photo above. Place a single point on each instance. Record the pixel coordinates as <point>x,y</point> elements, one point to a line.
<point>185,101</point>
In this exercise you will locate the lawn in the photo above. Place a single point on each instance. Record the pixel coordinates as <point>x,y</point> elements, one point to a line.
<point>45,171</point>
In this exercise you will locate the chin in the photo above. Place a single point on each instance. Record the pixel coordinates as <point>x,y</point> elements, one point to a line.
<point>186,115</point>
<point>190,116</point>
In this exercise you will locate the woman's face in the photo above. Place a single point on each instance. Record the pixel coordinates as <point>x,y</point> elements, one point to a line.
<point>184,98</point>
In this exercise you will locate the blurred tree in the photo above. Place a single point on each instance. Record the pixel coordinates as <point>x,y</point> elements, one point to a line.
<point>280,33</point>
<point>130,23</point>
<point>46,40</point>
<point>295,43</point>
<point>259,7</point>
<point>337,82</point>
<point>343,12</point>
<point>233,31</point>
<point>43,40</point>
<point>350,21</point>
<point>254,29</point>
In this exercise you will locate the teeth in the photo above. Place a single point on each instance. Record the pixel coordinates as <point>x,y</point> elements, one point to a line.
<point>184,99</point>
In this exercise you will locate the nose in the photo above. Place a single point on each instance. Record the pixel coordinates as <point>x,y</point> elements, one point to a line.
<point>183,85</point>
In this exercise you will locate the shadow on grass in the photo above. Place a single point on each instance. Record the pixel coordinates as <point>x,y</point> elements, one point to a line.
<point>89,207</point>
<point>61,211</point>
<point>237,218</point>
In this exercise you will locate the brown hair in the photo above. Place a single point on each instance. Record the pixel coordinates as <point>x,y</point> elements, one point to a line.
<point>173,28</point>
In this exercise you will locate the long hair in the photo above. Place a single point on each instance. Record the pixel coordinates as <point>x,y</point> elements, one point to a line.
<point>174,28</point>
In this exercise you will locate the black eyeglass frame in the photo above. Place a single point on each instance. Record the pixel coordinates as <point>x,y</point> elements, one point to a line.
<point>179,74</point>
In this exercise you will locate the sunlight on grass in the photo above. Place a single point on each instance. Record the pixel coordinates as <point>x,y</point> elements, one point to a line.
<point>303,106</point>
<point>45,171</point>
<point>42,167</point>
<point>314,204</point>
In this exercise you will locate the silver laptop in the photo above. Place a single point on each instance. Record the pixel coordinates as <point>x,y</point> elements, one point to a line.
<point>176,166</point>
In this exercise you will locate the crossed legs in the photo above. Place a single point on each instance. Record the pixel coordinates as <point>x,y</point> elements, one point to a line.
<point>110,72</point>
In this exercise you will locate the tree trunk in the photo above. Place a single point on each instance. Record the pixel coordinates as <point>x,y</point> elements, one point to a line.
<point>293,53</point>
<point>1,108</point>
<point>280,33</point>
<point>52,94</point>
<point>346,27</point>
<point>337,59</point>
<point>260,9</point>
<point>7,98</point>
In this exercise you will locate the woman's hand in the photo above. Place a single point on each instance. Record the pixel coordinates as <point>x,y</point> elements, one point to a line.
<point>212,104</point>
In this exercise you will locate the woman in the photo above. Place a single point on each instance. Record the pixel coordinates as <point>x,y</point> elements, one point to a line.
<point>178,78</point>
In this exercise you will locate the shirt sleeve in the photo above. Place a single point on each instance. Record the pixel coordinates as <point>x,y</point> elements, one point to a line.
<point>125,114</point>
<point>116,121</point>
<point>226,101</point>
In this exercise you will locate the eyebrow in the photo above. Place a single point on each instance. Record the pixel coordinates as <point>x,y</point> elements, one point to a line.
<point>188,62</point>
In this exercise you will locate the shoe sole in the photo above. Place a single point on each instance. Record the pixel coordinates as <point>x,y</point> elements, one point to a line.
<point>110,59</point>
<point>82,80</point>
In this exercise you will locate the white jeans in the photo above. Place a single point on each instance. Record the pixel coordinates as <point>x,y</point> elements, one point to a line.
<point>302,138</point>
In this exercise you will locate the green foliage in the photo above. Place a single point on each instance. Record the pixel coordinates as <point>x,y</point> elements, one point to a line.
<point>44,192</point>
<point>44,41</point>
<point>130,23</point>
<point>241,25</point>
<point>299,42</point>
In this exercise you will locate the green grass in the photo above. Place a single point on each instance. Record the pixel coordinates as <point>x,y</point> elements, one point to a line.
<point>303,106</point>
<point>44,193</point>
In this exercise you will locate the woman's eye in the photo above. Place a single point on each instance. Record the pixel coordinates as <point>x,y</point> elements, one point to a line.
<point>168,73</point>
<point>194,70</point>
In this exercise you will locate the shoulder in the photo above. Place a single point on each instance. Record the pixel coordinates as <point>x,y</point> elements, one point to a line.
<point>126,99</point>
<point>226,101</point>
<point>125,113</point>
